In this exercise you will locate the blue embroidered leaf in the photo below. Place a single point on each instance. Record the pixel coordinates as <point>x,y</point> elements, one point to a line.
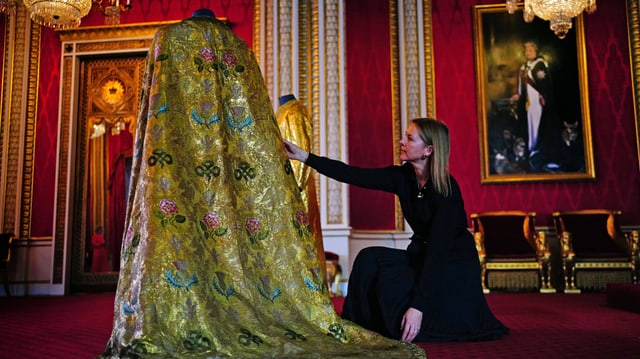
<point>311,285</point>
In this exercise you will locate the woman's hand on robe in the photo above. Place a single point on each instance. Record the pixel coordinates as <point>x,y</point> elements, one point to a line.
<point>294,152</point>
<point>411,321</point>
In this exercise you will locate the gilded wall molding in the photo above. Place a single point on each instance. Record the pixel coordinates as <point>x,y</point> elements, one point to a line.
<point>106,40</point>
<point>288,45</point>
<point>334,99</point>
<point>29,136</point>
<point>18,120</point>
<point>410,44</point>
<point>62,181</point>
<point>633,21</point>
<point>396,112</point>
<point>429,70</point>
<point>287,61</point>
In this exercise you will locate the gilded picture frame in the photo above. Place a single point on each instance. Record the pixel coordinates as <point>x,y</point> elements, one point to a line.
<point>533,109</point>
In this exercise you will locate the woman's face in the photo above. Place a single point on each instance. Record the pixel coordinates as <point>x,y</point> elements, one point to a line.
<point>412,147</point>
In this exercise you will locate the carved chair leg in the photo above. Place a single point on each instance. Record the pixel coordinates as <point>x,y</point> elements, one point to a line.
<point>568,268</point>
<point>483,277</point>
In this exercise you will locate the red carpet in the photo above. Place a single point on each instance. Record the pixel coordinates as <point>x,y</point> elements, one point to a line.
<point>562,326</point>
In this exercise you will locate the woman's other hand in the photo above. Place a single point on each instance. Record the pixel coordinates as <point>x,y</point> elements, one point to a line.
<point>411,321</point>
<point>294,152</point>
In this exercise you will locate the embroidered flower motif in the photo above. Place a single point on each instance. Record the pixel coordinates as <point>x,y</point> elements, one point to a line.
<point>131,241</point>
<point>128,236</point>
<point>267,290</point>
<point>168,207</point>
<point>180,277</point>
<point>212,220</point>
<point>238,117</point>
<point>301,222</point>
<point>207,55</point>
<point>210,225</point>
<point>205,115</point>
<point>158,55</point>
<point>302,218</point>
<point>254,230</point>
<point>229,59</point>
<point>229,64</point>
<point>253,225</point>
<point>220,285</point>
<point>206,60</point>
<point>168,213</point>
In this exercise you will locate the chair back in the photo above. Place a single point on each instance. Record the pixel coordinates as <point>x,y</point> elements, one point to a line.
<point>507,234</point>
<point>594,233</point>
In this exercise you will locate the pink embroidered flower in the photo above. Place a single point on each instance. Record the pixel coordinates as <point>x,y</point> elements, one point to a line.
<point>207,55</point>
<point>301,217</point>
<point>157,51</point>
<point>128,237</point>
<point>168,207</point>
<point>206,107</point>
<point>253,225</point>
<point>229,59</point>
<point>212,220</point>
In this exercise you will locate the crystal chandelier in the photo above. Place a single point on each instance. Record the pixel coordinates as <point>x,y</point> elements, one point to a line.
<point>558,12</point>
<point>58,14</point>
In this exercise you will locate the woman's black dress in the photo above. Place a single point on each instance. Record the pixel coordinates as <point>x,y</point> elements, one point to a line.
<point>438,273</point>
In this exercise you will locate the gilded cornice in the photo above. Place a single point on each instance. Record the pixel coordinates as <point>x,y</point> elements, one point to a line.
<point>112,33</point>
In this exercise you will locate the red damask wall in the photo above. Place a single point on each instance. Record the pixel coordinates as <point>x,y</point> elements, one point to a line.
<point>612,118</point>
<point>611,102</point>
<point>370,130</point>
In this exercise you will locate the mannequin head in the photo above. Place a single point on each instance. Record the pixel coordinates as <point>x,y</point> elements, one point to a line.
<point>286,98</point>
<point>203,12</point>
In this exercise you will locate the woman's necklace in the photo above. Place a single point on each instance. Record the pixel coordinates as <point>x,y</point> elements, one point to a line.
<point>420,188</point>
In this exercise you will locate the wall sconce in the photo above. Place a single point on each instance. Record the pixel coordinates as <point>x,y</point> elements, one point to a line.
<point>112,10</point>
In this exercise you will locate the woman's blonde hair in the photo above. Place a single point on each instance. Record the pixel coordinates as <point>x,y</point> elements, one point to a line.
<point>436,133</point>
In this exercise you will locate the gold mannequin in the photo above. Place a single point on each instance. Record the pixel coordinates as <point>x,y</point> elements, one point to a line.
<point>295,125</point>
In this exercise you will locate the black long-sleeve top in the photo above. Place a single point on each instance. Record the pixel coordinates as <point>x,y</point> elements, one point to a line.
<point>439,223</point>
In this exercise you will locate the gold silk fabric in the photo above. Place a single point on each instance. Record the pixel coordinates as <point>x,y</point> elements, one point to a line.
<point>218,258</point>
<point>296,126</point>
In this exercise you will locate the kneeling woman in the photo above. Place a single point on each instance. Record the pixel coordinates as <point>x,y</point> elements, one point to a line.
<point>431,291</point>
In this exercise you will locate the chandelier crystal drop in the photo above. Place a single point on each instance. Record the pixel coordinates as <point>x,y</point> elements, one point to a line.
<point>58,14</point>
<point>559,13</point>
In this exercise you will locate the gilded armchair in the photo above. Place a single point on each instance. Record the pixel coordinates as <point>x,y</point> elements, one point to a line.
<point>513,256</point>
<point>594,249</point>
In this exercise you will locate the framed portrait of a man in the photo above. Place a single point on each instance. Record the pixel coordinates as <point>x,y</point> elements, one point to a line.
<point>533,101</point>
